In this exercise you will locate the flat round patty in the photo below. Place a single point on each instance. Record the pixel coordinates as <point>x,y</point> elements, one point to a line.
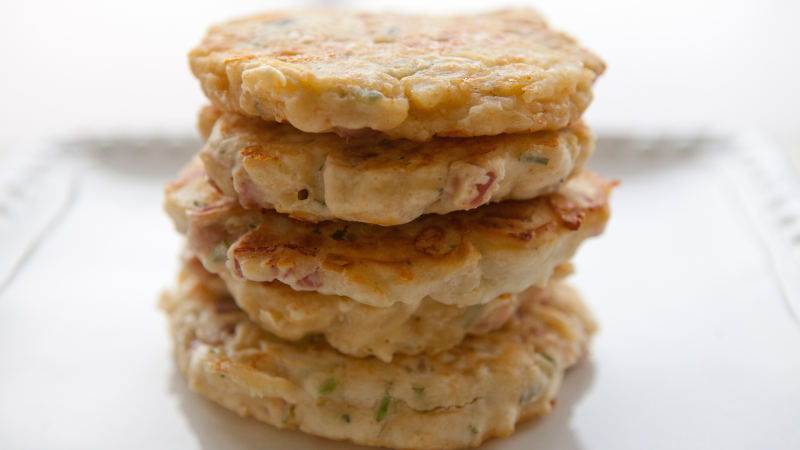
<point>403,76</point>
<point>462,258</point>
<point>454,399</point>
<point>359,330</point>
<point>318,177</point>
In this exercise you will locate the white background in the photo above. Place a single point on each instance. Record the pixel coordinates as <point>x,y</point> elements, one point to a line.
<point>85,66</point>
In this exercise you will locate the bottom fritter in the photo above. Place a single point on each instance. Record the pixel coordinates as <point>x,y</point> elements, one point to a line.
<point>454,399</point>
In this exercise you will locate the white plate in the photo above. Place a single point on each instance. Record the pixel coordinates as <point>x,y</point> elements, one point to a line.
<point>692,283</point>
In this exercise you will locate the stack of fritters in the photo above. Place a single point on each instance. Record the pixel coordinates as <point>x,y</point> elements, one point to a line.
<point>380,220</point>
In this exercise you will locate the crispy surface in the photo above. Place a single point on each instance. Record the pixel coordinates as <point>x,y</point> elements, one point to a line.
<point>455,399</point>
<point>356,329</point>
<point>462,258</point>
<point>318,177</point>
<point>403,76</point>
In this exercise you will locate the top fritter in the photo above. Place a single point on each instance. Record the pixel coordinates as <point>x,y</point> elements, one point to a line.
<point>404,76</point>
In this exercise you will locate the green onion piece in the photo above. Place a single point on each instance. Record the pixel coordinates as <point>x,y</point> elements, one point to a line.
<point>526,397</point>
<point>328,386</point>
<point>383,408</point>
<point>286,414</point>
<point>473,430</point>
<point>346,418</point>
<point>420,391</point>
<point>534,159</point>
<point>548,358</point>
<point>220,251</point>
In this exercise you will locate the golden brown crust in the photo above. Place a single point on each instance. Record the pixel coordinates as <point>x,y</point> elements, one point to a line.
<point>404,76</point>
